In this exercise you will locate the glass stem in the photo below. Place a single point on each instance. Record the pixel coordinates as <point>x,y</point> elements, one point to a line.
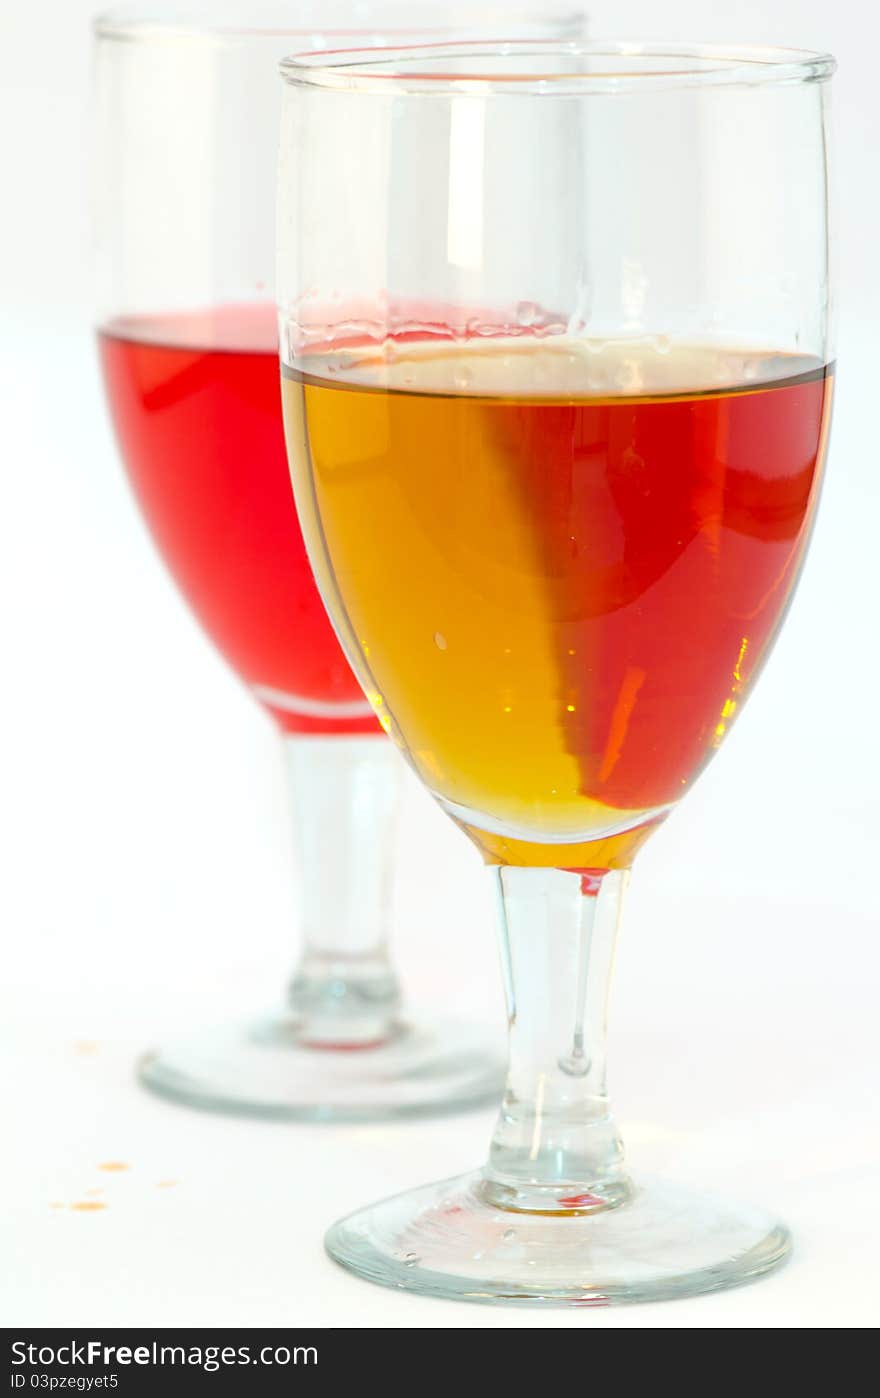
<point>345,796</point>
<point>556,1148</point>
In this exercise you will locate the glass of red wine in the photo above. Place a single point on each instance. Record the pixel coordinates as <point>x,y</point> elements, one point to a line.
<point>188,113</point>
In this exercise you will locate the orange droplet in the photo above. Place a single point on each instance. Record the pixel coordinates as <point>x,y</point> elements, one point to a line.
<point>94,1191</point>
<point>114,1165</point>
<point>166,1184</point>
<point>85,1046</point>
<point>86,1206</point>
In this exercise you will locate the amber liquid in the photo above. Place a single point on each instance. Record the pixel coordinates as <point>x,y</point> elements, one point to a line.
<point>557,568</point>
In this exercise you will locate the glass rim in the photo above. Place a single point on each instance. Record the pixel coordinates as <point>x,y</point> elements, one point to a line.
<point>239,21</point>
<point>631,66</point>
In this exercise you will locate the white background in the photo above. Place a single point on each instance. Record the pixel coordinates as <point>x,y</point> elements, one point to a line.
<point>146,882</point>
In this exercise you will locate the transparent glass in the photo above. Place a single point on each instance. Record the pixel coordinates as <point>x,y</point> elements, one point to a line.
<point>556,415</point>
<point>187,113</point>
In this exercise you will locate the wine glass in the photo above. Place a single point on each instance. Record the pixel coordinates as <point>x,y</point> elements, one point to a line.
<point>556,417</point>
<point>187,114</point>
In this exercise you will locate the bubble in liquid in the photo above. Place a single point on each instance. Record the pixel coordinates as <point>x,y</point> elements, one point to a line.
<point>410,1259</point>
<point>439,640</point>
<point>509,1234</point>
<point>528,313</point>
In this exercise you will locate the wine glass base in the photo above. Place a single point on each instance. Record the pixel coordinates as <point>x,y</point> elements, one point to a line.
<point>263,1069</point>
<point>446,1240</point>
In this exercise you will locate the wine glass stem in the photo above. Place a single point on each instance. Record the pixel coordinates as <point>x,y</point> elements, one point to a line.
<point>344,796</point>
<point>556,1147</point>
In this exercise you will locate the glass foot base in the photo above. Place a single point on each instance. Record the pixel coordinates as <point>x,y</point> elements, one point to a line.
<point>263,1069</point>
<point>446,1240</point>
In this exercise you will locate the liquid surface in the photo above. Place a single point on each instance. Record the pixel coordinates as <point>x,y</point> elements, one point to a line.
<point>557,567</point>
<point>196,407</point>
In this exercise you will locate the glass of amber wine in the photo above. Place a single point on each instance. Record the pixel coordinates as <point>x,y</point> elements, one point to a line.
<point>187,108</point>
<point>557,384</point>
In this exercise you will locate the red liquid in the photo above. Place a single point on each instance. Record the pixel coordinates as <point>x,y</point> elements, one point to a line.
<point>196,405</point>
